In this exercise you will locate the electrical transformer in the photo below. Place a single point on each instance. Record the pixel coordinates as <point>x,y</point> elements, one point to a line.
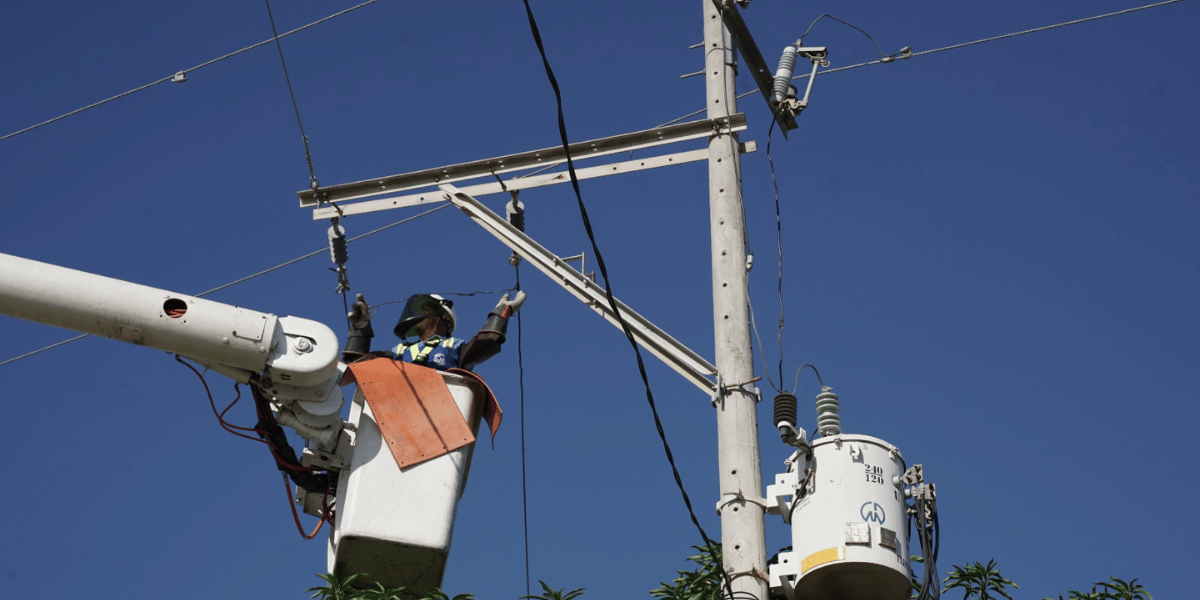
<point>846,499</point>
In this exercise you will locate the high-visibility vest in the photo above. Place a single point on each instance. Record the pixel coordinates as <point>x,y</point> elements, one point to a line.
<point>421,356</point>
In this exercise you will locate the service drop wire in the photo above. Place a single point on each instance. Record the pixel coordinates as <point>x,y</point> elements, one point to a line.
<point>778,243</point>
<point>587,225</point>
<point>524,485</point>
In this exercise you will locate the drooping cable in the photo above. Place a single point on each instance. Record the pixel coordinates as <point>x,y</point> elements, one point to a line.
<point>475,293</point>
<point>796,385</point>
<point>524,485</point>
<point>264,438</point>
<point>562,131</point>
<point>175,76</point>
<point>850,25</point>
<point>778,245</point>
<point>287,486</point>
<point>258,274</point>
<point>221,415</point>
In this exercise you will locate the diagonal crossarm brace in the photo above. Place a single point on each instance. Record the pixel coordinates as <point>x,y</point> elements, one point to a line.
<point>669,350</point>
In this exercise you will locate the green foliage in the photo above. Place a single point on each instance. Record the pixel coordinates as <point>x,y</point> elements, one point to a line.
<point>438,594</point>
<point>552,594</point>
<point>337,589</point>
<point>979,581</point>
<point>382,592</point>
<point>704,583</point>
<point>1116,589</point>
<point>1113,589</point>
<point>344,589</point>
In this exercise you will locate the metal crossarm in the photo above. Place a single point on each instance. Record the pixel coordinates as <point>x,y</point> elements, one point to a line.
<point>519,183</point>
<point>547,157</point>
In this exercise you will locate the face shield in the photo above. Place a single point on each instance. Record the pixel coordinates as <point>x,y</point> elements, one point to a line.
<point>418,308</point>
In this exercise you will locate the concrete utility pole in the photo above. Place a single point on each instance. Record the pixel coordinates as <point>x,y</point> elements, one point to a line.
<point>743,539</point>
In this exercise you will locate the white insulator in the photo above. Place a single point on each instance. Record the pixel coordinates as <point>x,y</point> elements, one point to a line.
<point>338,251</point>
<point>783,74</point>
<point>829,421</point>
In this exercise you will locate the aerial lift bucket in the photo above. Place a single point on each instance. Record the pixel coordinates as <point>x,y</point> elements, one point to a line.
<point>395,507</point>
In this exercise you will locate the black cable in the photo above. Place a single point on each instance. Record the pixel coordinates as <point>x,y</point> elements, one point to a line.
<point>850,25</point>
<point>587,225</point>
<point>778,245</point>
<point>796,385</point>
<point>524,487</point>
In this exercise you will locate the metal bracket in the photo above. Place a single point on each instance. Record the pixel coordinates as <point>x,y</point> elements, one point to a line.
<point>782,491</point>
<point>719,391</point>
<point>763,75</point>
<point>912,476</point>
<point>730,497</point>
<point>788,587</point>
<point>751,573</point>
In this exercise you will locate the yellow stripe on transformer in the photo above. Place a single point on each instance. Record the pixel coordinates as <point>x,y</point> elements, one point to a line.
<point>827,555</point>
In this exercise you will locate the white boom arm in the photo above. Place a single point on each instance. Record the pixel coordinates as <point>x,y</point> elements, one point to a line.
<point>296,359</point>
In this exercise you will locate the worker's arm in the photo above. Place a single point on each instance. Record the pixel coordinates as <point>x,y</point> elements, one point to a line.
<point>358,340</point>
<point>487,342</point>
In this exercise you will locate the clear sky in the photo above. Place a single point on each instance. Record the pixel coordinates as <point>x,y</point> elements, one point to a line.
<point>990,253</point>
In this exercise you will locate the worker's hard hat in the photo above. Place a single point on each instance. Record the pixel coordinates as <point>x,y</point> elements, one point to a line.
<point>420,306</point>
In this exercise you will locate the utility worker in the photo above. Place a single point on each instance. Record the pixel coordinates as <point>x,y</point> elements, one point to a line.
<point>429,320</point>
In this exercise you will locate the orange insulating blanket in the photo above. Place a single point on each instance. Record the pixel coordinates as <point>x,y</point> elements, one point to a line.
<point>415,412</point>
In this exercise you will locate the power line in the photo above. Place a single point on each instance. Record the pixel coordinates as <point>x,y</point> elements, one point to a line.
<point>998,37</point>
<point>246,278</point>
<point>186,71</point>
<point>893,58</point>
<point>312,175</point>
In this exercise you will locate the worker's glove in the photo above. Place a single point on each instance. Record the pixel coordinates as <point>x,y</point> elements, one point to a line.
<point>507,307</point>
<point>358,341</point>
<point>497,321</point>
<point>360,314</point>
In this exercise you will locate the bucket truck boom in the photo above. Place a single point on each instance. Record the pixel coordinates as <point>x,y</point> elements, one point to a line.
<point>293,361</point>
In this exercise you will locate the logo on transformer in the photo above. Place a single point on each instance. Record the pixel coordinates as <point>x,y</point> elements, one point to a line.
<point>872,512</point>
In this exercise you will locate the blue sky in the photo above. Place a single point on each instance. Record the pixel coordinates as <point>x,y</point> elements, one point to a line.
<point>990,253</point>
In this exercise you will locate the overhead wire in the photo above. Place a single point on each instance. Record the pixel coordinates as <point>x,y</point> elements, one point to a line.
<point>850,25</point>
<point>524,483</point>
<point>885,59</point>
<point>778,245</point>
<point>998,37</point>
<point>562,130</point>
<point>249,277</point>
<point>892,58</point>
<point>312,176</point>
<point>461,294</point>
<point>185,71</point>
